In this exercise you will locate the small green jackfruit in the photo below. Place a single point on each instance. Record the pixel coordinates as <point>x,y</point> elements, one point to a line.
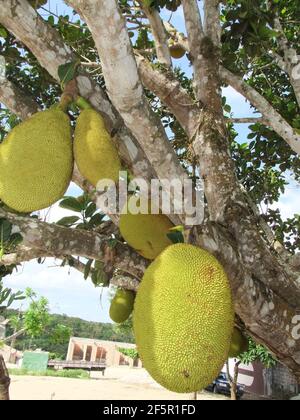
<point>121,306</point>
<point>36,161</point>
<point>183,318</point>
<point>146,233</point>
<point>177,51</point>
<point>95,153</point>
<point>239,344</point>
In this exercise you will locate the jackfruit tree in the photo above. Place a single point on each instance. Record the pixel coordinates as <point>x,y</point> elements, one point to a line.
<point>159,121</point>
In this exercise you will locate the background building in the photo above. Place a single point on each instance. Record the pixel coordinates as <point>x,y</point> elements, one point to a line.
<point>91,350</point>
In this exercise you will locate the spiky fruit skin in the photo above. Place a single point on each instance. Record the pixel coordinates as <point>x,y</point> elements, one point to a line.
<point>36,162</point>
<point>177,51</point>
<point>121,306</point>
<point>146,233</point>
<point>94,151</point>
<point>183,318</point>
<point>239,344</point>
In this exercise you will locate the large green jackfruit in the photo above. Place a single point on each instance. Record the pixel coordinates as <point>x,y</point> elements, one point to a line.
<point>94,150</point>
<point>121,306</point>
<point>183,318</point>
<point>239,344</point>
<point>36,161</point>
<point>146,233</point>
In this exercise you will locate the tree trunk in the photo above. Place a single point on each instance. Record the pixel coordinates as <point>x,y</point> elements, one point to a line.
<point>4,381</point>
<point>233,381</point>
<point>233,387</point>
<point>193,396</point>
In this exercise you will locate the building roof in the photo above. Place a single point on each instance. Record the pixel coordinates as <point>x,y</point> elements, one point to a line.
<point>101,342</point>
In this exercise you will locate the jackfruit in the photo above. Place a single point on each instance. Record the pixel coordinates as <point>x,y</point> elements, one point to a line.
<point>121,306</point>
<point>36,161</point>
<point>146,233</point>
<point>239,344</point>
<point>94,150</point>
<point>177,51</point>
<point>183,318</point>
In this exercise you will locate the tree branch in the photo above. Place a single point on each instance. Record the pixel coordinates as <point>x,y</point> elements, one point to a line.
<point>42,239</point>
<point>169,91</point>
<point>159,34</point>
<point>205,59</point>
<point>17,101</point>
<point>124,86</point>
<point>274,119</point>
<point>15,335</point>
<point>271,117</point>
<point>291,61</point>
<point>125,282</point>
<point>212,27</point>
<point>119,280</point>
<point>250,120</point>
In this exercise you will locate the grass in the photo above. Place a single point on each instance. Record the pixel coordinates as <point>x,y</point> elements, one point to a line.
<point>71,373</point>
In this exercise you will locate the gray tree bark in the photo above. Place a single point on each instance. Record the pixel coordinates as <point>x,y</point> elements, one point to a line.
<point>4,381</point>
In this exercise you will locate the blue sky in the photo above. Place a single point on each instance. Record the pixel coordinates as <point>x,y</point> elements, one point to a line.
<point>65,288</point>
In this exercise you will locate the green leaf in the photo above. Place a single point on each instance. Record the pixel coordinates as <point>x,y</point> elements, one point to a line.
<point>5,230</point>
<point>99,278</point>
<point>87,269</point>
<point>67,72</point>
<point>15,296</point>
<point>81,226</point>
<point>96,220</point>
<point>3,32</point>
<point>90,210</point>
<point>227,108</point>
<point>4,295</point>
<point>71,203</point>
<point>51,20</point>
<point>176,237</point>
<point>68,221</point>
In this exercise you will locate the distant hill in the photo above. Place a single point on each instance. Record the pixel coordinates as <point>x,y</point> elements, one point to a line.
<point>80,328</point>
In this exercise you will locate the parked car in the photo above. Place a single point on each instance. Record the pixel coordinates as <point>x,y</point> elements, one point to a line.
<point>221,386</point>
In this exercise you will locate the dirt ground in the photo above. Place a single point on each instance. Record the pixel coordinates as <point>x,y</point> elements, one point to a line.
<point>117,384</point>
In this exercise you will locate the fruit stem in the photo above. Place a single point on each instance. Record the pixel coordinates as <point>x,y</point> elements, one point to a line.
<point>65,102</point>
<point>83,103</point>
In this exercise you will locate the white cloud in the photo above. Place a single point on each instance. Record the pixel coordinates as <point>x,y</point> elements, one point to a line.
<point>288,204</point>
